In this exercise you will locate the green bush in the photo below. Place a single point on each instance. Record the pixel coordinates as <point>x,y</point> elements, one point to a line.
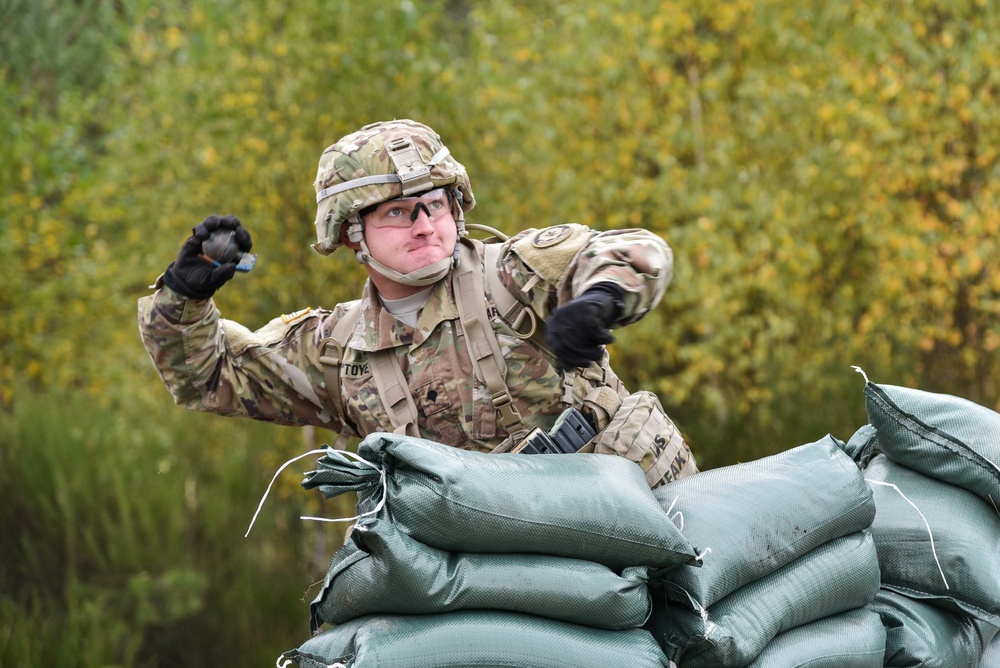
<point>124,537</point>
<point>826,174</point>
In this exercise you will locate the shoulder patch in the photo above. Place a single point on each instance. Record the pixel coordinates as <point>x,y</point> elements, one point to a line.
<point>292,317</point>
<point>551,236</point>
<point>550,251</point>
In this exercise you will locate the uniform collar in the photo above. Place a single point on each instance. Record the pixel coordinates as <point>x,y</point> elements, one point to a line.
<point>379,329</point>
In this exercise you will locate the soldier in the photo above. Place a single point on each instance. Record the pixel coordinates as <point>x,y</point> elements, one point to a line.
<point>462,342</point>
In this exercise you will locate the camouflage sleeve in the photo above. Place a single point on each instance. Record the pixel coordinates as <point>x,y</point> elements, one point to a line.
<point>546,268</point>
<point>219,366</point>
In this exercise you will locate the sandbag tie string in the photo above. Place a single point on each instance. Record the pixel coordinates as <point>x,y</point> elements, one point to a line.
<point>290,662</point>
<point>327,450</point>
<point>679,515</point>
<point>926,524</point>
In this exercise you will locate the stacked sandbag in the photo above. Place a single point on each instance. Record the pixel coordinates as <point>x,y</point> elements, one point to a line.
<point>470,639</point>
<point>465,559</point>
<point>991,656</point>
<point>936,542</point>
<point>783,543</point>
<point>853,639</point>
<point>935,481</point>
<point>587,506</point>
<point>382,570</point>
<point>942,436</point>
<point>918,634</point>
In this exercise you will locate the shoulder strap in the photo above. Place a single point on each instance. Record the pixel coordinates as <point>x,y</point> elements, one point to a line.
<point>386,372</point>
<point>331,354</point>
<point>394,392</point>
<point>511,310</point>
<point>484,349</point>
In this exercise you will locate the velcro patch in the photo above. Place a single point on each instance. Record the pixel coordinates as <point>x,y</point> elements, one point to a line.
<point>550,251</point>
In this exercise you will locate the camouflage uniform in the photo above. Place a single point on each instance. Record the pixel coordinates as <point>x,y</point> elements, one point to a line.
<point>274,374</point>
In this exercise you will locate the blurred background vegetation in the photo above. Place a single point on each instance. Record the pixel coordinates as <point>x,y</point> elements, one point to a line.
<point>825,172</point>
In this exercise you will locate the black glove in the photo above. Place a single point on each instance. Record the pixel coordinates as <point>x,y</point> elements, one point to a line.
<point>577,330</point>
<point>195,277</point>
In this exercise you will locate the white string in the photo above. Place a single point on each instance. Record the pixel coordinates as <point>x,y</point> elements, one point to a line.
<point>926,524</point>
<point>677,514</point>
<point>701,557</point>
<point>307,454</point>
<point>289,662</point>
<point>994,504</point>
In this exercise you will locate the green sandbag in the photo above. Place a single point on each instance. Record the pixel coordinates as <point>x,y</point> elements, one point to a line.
<point>918,634</point>
<point>583,506</point>
<point>991,656</point>
<point>469,639</point>
<point>834,578</point>
<point>382,570</point>
<point>960,570</point>
<point>863,445</point>
<point>758,516</point>
<point>853,639</point>
<point>939,435</point>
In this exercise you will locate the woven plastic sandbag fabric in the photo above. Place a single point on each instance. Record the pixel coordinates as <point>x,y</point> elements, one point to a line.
<point>960,568</point>
<point>946,437</point>
<point>584,506</point>
<point>382,570</point>
<point>834,578</point>
<point>469,639</point>
<point>862,446</point>
<point>758,516</point>
<point>991,656</point>
<point>853,639</point>
<point>918,634</point>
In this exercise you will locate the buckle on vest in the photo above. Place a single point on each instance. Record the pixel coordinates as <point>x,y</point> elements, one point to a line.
<point>332,358</point>
<point>504,403</point>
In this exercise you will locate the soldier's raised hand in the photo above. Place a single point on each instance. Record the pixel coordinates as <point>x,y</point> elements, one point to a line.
<point>196,275</point>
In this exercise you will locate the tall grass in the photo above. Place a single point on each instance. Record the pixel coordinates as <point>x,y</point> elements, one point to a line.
<point>122,537</point>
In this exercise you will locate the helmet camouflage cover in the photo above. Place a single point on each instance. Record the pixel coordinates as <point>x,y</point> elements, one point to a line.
<point>379,162</point>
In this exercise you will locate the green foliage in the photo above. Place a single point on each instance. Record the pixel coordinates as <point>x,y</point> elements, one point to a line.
<point>825,173</point>
<point>125,543</point>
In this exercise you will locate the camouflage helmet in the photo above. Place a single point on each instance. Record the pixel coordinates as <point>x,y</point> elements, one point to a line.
<point>379,162</point>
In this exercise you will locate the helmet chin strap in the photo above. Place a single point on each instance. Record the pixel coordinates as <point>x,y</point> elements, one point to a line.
<point>424,276</point>
<point>428,275</point>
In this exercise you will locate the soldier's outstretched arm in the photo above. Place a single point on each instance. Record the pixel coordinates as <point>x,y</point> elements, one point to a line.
<point>548,268</point>
<point>216,365</point>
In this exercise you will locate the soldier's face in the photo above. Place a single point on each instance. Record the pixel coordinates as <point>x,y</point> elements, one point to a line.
<point>429,236</point>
